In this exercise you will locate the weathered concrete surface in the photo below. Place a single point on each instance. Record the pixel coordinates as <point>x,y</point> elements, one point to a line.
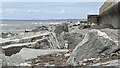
<point>94,44</point>
<point>107,5</point>
<point>111,16</point>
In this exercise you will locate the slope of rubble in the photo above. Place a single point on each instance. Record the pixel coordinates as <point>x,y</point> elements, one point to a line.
<point>64,44</point>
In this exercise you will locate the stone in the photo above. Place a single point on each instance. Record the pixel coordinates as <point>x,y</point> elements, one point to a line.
<point>61,28</point>
<point>1,50</point>
<point>17,59</point>
<point>28,53</point>
<point>4,60</point>
<point>74,39</point>
<point>0,63</point>
<point>102,26</point>
<point>39,41</point>
<point>67,55</point>
<point>24,64</point>
<point>61,40</point>
<point>94,43</point>
<point>114,63</point>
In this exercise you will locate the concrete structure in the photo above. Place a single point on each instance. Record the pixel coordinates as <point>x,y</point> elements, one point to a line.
<point>92,19</point>
<point>108,13</point>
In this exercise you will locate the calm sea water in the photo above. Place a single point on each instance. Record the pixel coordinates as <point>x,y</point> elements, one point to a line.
<point>21,25</point>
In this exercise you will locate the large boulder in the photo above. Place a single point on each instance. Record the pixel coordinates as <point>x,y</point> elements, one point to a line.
<point>61,28</point>
<point>94,44</point>
<point>4,60</point>
<point>74,39</point>
<point>46,40</point>
<point>60,31</point>
<point>61,40</point>
<point>28,53</point>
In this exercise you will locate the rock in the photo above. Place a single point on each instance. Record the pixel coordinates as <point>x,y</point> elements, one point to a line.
<point>47,64</point>
<point>84,26</point>
<point>109,63</point>
<point>41,28</point>
<point>28,53</point>
<point>7,61</point>
<point>4,60</point>
<point>60,28</point>
<point>40,41</point>
<point>24,64</point>
<point>94,43</point>
<point>17,59</point>
<point>0,63</point>
<point>60,31</point>
<point>1,53</point>
<point>7,34</point>
<point>61,40</point>
<point>67,55</point>
<point>74,39</point>
<point>101,26</point>
<point>1,50</point>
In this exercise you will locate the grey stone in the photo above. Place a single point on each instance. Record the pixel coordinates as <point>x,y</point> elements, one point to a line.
<point>94,43</point>
<point>1,50</point>
<point>109,63</point>
<point>0,63</point>
<point>61,40</point>
<point>17,59</point>
<point>4,60</point>
<point>74,39</point>
<point>61,28</point>
<point>28,53</point>
<point>102,26</point>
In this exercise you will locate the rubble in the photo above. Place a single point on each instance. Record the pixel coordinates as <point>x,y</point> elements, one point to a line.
<point>40,41</point>
<point>94,43</point>
<point>57,59</point>
<point>28,53</point>
<point>63,45</point>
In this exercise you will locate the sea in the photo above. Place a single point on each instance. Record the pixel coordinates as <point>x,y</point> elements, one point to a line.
<point>22,25</point>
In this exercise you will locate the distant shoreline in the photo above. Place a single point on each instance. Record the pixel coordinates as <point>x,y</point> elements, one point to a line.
<point>43,20</point>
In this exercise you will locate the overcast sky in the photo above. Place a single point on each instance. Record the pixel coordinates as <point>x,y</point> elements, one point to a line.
<point>48,10</point>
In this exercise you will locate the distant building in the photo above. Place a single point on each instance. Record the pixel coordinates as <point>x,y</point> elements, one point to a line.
<point>92,19</point>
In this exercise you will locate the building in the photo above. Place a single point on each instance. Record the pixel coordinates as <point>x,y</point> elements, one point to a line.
<point>92,19</point>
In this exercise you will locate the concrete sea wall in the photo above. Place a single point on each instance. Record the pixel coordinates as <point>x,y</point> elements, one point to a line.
<point>109,14</point>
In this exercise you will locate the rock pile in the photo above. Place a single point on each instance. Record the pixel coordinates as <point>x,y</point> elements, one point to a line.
<point>60,31</point>
<point>62,45</point>
<point>93,45</point>
<point>39,41</point>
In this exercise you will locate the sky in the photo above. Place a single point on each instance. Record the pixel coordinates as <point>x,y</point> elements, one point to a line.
<point>48,10</point>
